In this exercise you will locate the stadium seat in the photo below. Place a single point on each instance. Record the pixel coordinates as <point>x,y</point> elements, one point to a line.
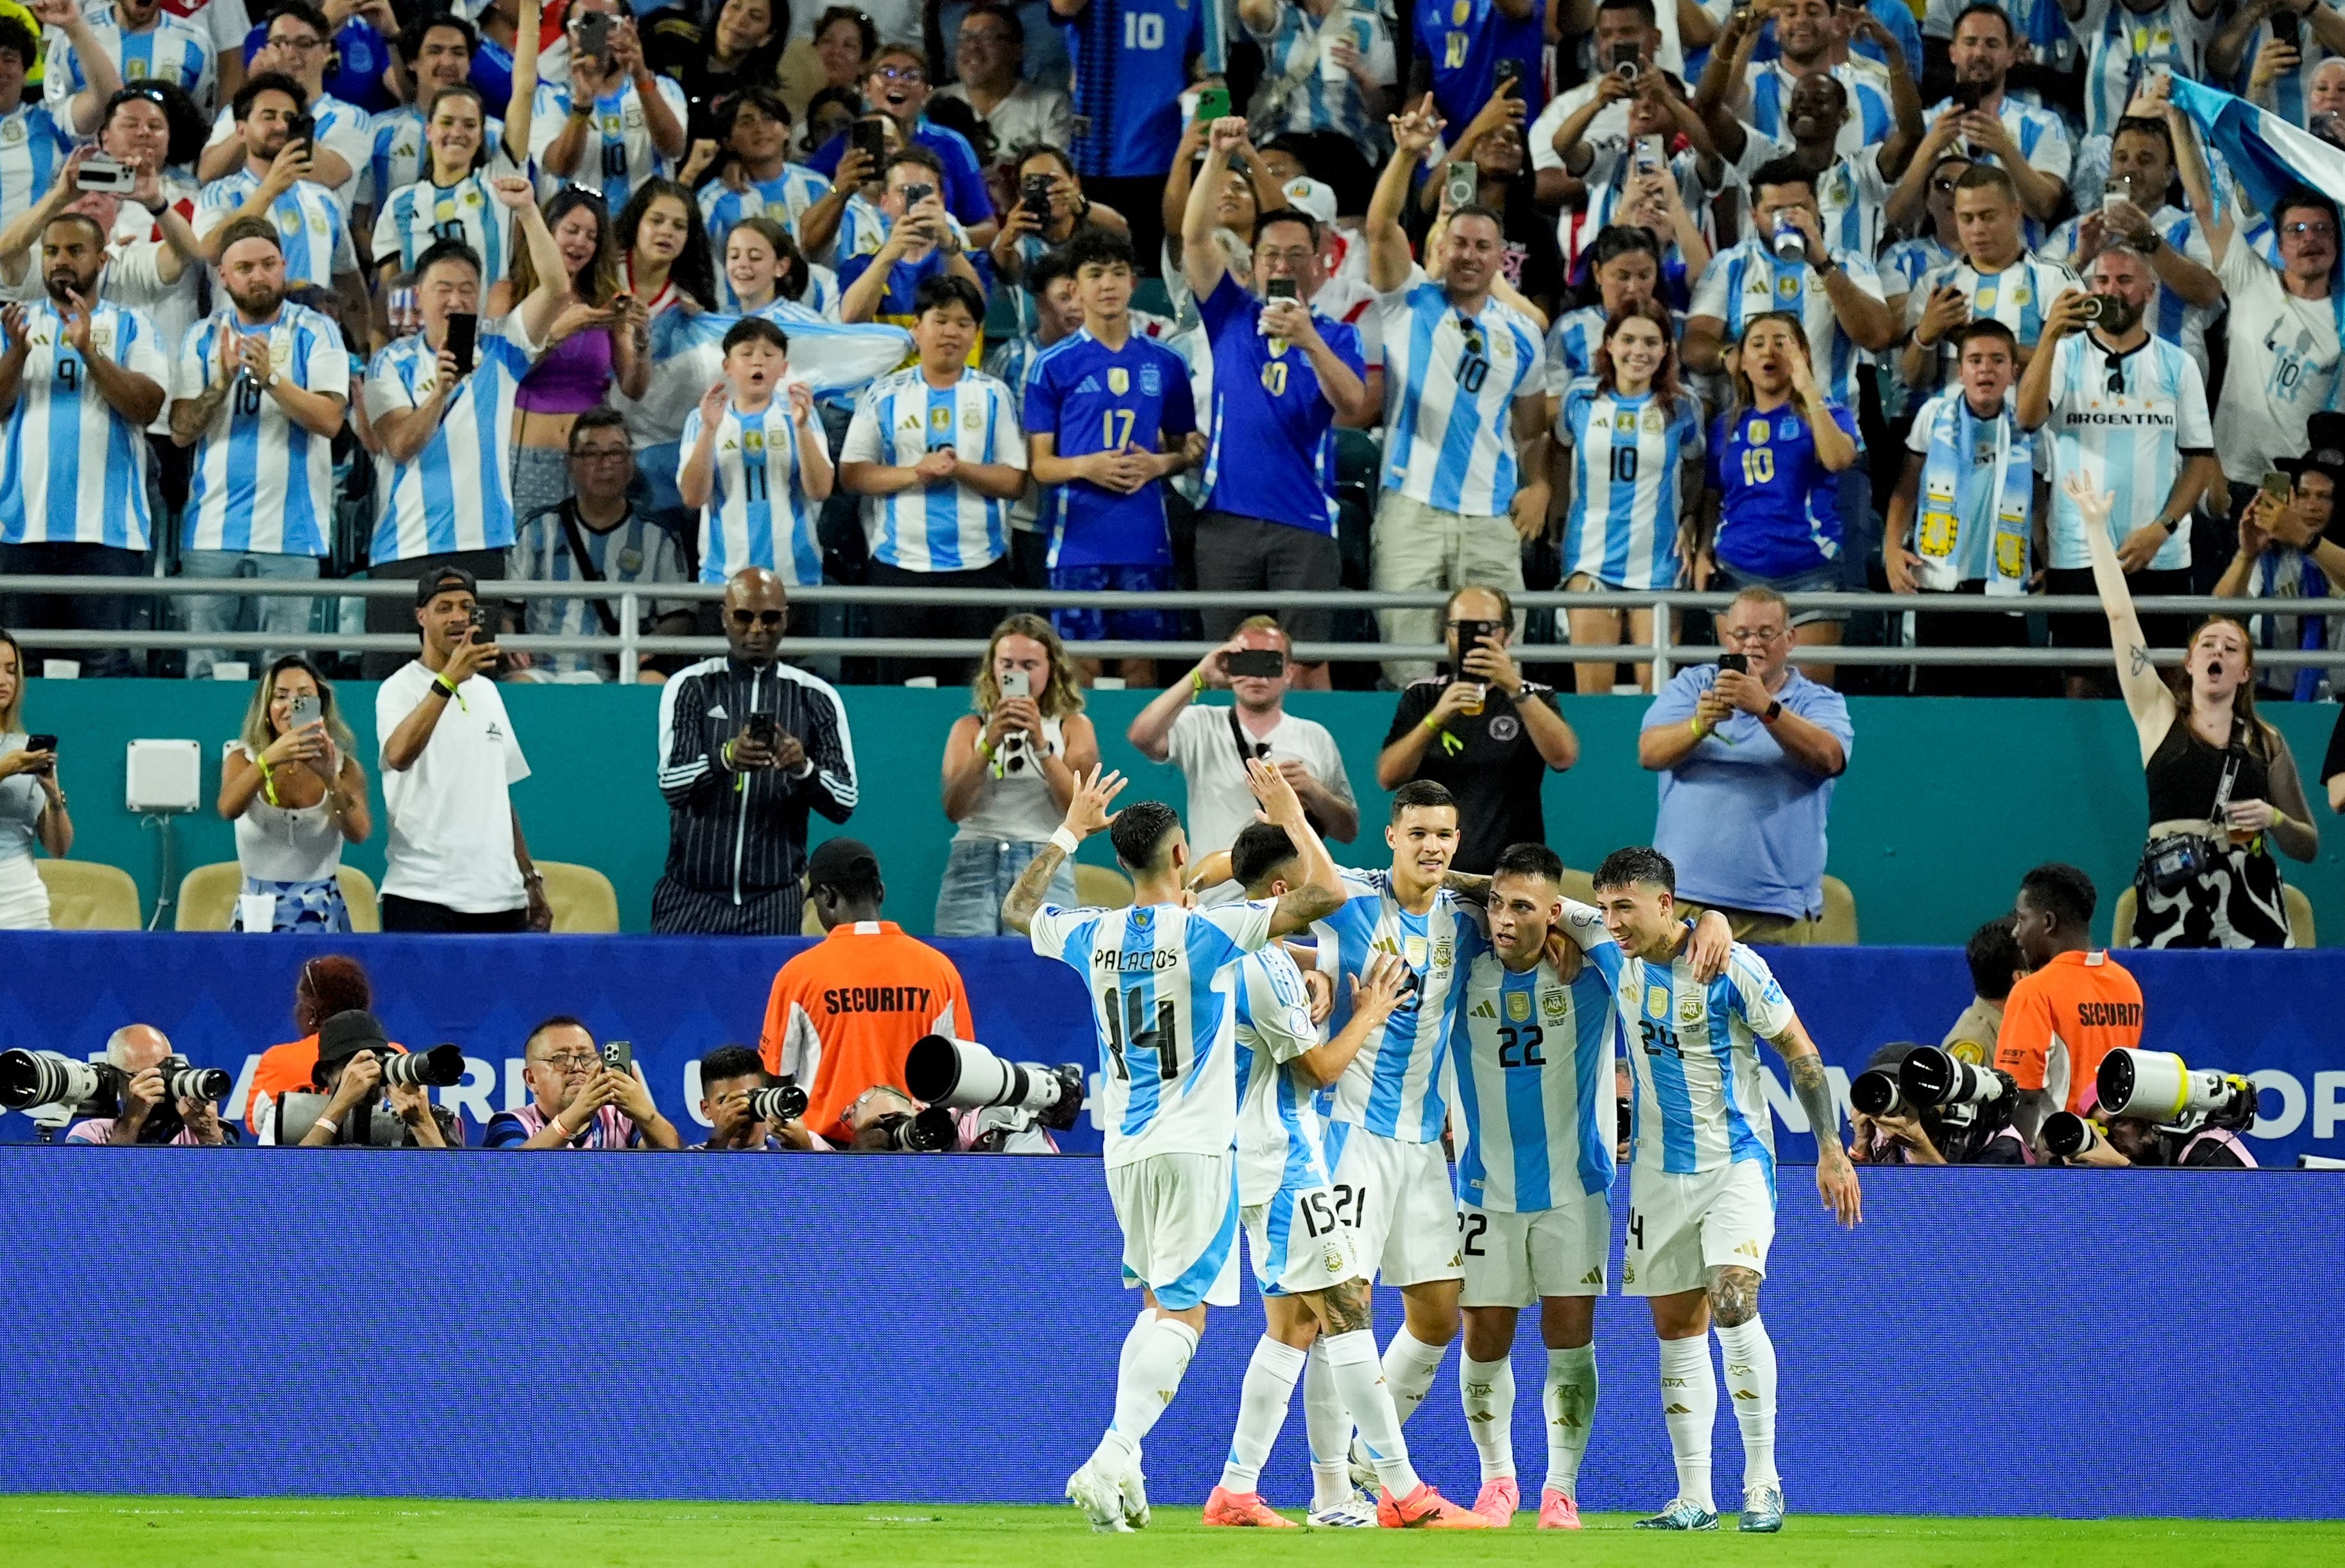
<point>811,923</point>
<point>1836,926</point>
<point>2121,920</point>
<point>583,901</point>
<point>207,898</point>
<point>87,896</point>
<point>1101,887</point>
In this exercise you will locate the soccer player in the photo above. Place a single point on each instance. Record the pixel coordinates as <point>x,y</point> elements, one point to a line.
<point>1163,976</point>
<point>1317,1277</point>
<point>1533,1049</point>
<point>1108,417</point>
<point>754,463</point>
<point>1701,1185</point>
<point>260,391</point>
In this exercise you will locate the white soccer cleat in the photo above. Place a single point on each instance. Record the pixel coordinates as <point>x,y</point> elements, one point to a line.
<point>1101,1498</point>
<point>1358,1512</point>
<point>1135,1490</point>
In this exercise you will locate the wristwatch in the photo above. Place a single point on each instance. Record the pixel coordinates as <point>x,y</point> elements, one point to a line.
<point>1774,711</point>
<point>2170,524</point>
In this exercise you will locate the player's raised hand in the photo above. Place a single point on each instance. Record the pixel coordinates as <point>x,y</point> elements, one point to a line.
<point>1279,802</point>
<point>1836,1179</point>
<point>1087,812</point>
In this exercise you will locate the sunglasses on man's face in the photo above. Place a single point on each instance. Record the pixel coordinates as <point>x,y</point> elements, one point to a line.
<point>746,618</point>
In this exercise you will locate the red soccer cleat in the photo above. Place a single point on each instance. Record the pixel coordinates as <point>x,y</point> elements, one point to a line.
<point>1498,1500</point>
<point>1244,1508</point>
<point>1558,1512</point>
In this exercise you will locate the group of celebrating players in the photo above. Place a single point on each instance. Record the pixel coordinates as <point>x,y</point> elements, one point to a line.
<point>1305,1092</point>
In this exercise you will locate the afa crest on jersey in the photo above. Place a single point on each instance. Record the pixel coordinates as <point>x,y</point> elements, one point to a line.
<point>1518,1006</point>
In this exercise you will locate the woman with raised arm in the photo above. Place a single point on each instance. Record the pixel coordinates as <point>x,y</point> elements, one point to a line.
<point>2223,786</point>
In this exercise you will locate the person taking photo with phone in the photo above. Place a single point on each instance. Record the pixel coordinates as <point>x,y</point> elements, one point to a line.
<point>923,242</point>
<point>32,802</point>
<point>457,860</point>
<point>293,786</point>
<point>582,1095</point>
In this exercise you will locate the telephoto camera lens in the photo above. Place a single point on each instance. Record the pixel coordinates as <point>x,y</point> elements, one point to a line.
<point>934,1129</point>
<point>1876,1093</point>
<point>2156,1086</point>
<point>181,1081</point>
<point>2068,1135</point>
<point>962,1075</point>
<point>441,1067</point>
<point>45,1077</point>
<point>783,1102</point>
<point>1931,1076</point>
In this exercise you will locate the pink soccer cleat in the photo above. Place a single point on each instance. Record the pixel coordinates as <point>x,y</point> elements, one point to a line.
<point>1558,1512</point>
<point>1498,1500</point>
<point>1425,1509</point>
<point>1244,1508</point>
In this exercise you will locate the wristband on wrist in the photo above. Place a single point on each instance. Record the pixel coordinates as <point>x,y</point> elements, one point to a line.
<point>1064,838</point>
<point>440,683</point>
<point>1196,685</point>
<point>333,1128</point>
<point>1698,727</point>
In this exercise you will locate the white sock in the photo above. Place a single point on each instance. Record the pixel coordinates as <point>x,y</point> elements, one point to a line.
<point>1262,1410</point>
<point>1133,1338</point>
<point>1409,1367</point>
<point>1570,1405</point>
<point>1689,1410</point>
<point>1750,1379</point>
<point>1147,1382</point>
<point>1327,1426</point>
<point>1486,1390</point>
<point>1364,1385</point>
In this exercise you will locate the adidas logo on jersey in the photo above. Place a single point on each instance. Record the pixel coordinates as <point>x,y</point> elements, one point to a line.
<point>1748,1249</point>
<point>1593,1277</point>
<point>1482,1009</point>
<point>1091,384</point>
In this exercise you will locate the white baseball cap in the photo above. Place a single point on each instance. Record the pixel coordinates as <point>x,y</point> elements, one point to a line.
<point>1310,195</point>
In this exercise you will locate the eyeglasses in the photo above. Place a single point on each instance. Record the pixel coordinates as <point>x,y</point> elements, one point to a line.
<point>2318,230</point>
<point>1757,637</point>
<point>909,73</point>
<point>758,617</point>
<point>2116,373</point>
<point>570,1060</point>
<point>601,454</point>
<point>991,37</point>
<point>302,45</point>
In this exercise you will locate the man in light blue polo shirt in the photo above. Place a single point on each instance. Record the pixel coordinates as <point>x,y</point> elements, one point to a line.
<point>1748,760</point>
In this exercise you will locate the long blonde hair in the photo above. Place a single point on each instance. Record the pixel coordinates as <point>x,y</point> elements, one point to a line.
<point>12,715</point>
<point>259,730</point>
<point>1061,697</point>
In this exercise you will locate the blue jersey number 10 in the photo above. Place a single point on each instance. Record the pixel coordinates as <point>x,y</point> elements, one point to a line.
<point>1758,464</point>
<point>1142,30</point>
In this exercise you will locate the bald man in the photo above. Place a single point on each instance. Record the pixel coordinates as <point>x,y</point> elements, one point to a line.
<point>139,1051</point>
<point>749,747</point>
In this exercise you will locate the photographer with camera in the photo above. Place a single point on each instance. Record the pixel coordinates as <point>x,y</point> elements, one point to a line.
<point>842,1014</point>
<point>2154,1110</point>
<point>1920,1105</point>
<point>744,1108</point>
<point>141,1053</point>
<point>2073,1007</point>
<point>581,1095</point>
<point>367,1093</point>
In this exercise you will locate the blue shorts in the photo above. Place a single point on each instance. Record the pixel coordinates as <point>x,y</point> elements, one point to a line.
<point>1122,626</point>
<point>1824,579</point>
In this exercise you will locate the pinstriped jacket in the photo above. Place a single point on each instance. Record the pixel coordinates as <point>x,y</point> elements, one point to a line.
<point>745,834</point>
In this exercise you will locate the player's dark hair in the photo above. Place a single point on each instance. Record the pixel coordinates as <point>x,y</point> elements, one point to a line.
<point>1779,172</point>
<point>1098,248</point>
<point>1530,859</point>
<point>604,417</point>
<point>1985,8</point>
<point>97,229</point>
<point>1987,326</point>
<point>1030,151</point>
<point>1640,865</point>
<point>2143,126</point>
<point>913,152</point>
<point>190,125</point>
<point>1615,240</point>
<point>555,1021</point>
<point>693,271</point>
<point>946,290</point>
<point>240,106</point>
<point>755,330</point>
<point>1002,13</point>
<point>1476,209</point>
<point>1424,792</point>
<point>730,1062</point>
<point>2063,891</point>
<point>1139,832</point>
<point>301,11</point>
<point>1047,269</point>
<point>1992,953</point>
<point>411,36</point>
<point>2303,196</point>
<point>768,101</point>
<point>1262,851</point>
<point>1294,215</point>
<point>1988,177</point>
<point>441,250</point>
<point>245,228</point>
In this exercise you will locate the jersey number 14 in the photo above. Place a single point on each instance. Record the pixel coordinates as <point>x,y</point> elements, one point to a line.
<point>1125,1014</point>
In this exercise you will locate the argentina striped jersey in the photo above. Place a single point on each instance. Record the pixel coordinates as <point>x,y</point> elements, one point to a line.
<point>1279,1130</point>
<point>1701,1099</point>
<point>1869,119</point>
<point>1746,281</point>
<point>172,50</point>
<point>1162,982</point>
<point>1628,457</point>
<point>1394,1085</point>
<point>419,215</point>
<point>77,471</point>
<point>33,147</point>
<point>457,492</point>
<point>262,482</point>
<point>311,226</point>
<point>948,527</point>
<point>783,198</point>
<point>2130,442</point>
<point>1450,384</point>
<point>619,154</point>
<point>398,155</point>
<point>757,513</point>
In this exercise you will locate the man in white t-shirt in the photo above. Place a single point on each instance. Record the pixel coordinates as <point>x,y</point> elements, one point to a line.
<point>457,860</point>
<point>1211,746</point>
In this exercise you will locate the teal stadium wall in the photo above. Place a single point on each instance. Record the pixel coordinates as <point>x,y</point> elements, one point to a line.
<point>1947,802</point>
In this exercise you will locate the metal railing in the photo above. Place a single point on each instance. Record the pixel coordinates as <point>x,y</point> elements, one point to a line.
<point>629,644</point>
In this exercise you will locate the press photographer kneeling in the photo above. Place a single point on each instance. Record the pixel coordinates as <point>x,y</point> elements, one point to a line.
<point>141,1093</point>
<point>368,1094</point>
<point>2154,1110</point>
<point>1919,1105</point>
<point>745,1109</point>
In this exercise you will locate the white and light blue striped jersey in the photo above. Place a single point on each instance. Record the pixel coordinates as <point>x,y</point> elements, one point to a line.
<point>758,513</point>
<point>1903,265</point>
<point>1450,384</point>
<point>344,129</point>
<point>173,50</point>
<point>261,481</point>
<point>1747,280</point>
<point>2130,442</point>
<point>902,419</point>
<point>1700,1101</point>
<point>783,198</point>
<point>1533,1059</point>
<point>2170,315</point>
<point>1279,1130</point>
<point>1291,49</point>
<point>1393,1086</point>
<point>311,226</point>
<point>1868,123</point>
<point>1628,457</point>
<point>619,155</point>
<point>2040,134</point>
<point>1611,163</point>
<point>76,470</point>
<point>1571,345</point>
<point>2018,296</point>
<point>457,492</point>
<point>419,215</point>
<point>864,227</point>
<point>635,552</point>
<point>1161,981</point>
<point>397,155</point>
<point>34,142</point>
<point>2121,44</point>
<point>1853,196</point>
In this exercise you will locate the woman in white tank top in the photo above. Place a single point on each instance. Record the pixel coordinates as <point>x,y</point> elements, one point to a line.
<point>296,795</point>
<point>1010,769</point>
<point>31,805</point>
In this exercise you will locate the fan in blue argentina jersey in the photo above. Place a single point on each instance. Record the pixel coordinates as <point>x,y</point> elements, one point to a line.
<point>626,138</point>
<point>33,138</point>
<point>1160,978</point>
<point>155,46</point>
<point>452,200</point>
<point>1132,65</point>
<point>1461,42</point>
<point>1633,437</point>
<point>1307,1256</point>
<point>1775,463</point>
<point>1701,1188</point>
<point>442,465</point>
<point>755,462</point>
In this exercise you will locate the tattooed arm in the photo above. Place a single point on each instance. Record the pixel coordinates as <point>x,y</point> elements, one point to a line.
<point>1087,813</point>
<point>1835,1176</point>
<point>2146,697</point>
<point>1465,885</point>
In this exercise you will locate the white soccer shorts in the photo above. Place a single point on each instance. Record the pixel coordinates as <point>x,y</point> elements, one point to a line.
<point>1681,1227</point>
<point>1180,1219</point>
<point>1399,1199</point>
<point>1299,1244</point>
<point>1513,1259</point>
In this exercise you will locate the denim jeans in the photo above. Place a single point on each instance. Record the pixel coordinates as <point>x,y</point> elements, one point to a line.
<point>286,617</point>
<point>979,875</point>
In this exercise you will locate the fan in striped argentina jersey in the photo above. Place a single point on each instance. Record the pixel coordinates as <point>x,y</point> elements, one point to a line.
<point>1632,438</point>
<point>1836,296</point>
<point>2134,211</point>
<point>159,47</point>
<point>1996,277</point>
<point>33,141</point>
<point>82,383</point>
<point>1773,88</point>
<point>312,222</point>
<point>1626,264</point>
<point>446,195</point>
<point>935,449</point>
<point>1852,185</point>
<point>754,462</point>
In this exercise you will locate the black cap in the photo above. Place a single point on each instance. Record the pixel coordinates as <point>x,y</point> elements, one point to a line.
<point>2324,444</point>
<point>841,863</point>
<point>444,579</point>
<point>348,1034</point>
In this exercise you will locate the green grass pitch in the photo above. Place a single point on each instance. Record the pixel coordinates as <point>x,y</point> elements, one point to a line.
<point>190,1532</point>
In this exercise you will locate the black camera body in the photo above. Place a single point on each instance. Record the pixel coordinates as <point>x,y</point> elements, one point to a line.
<point>783,1102</point>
